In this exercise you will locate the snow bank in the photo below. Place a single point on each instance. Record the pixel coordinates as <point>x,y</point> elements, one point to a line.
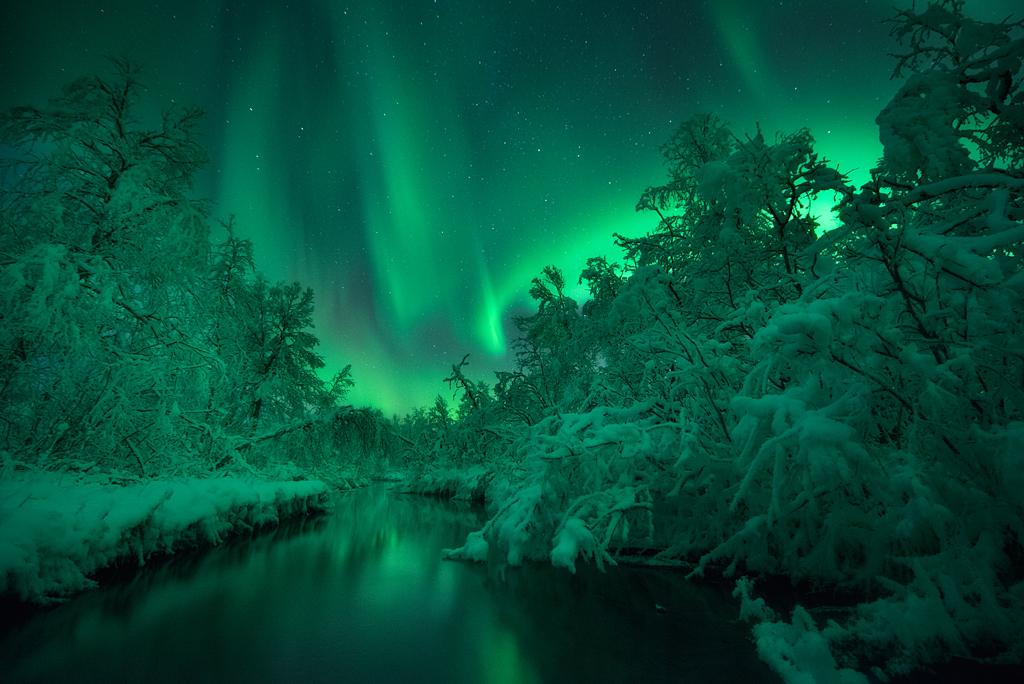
<point>57,530</point>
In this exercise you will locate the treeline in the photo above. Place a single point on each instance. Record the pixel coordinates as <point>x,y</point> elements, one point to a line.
<point>132,339</point>
<point>750,395</point>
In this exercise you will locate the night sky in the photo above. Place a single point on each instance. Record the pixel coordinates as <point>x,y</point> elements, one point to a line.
<point>418,162</point>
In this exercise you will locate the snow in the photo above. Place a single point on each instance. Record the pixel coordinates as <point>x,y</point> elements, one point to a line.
<point>751,608</point>
<point>916,127</point>
<point>475,549</point>
<point>515,527</point>
<point>799,653</point>
<point>467,484</point>
<point>797,650</point>
<point>573,539</point>
<point>57,530</point>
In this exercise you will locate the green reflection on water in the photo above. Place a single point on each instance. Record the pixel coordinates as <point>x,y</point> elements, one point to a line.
<point>362,595</point>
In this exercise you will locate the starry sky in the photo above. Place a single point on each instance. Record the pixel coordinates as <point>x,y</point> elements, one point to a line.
<point>418,162</point>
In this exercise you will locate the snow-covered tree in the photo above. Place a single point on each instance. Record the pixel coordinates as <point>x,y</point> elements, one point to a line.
<point>129,341</point>
<point>847,409</point>
<point>104,259</point>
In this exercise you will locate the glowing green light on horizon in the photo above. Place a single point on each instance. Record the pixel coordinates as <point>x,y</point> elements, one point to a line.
<point>422,178</point>
<point>589,233</point>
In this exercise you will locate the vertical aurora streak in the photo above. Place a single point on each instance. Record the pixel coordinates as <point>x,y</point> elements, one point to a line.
<point>489,327</point>
<point>741,42</point>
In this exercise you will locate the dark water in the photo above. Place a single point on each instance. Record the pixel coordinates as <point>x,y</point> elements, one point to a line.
<point>362,596</point>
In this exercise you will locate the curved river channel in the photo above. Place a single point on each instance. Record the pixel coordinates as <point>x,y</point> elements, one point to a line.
<point>362,595</point>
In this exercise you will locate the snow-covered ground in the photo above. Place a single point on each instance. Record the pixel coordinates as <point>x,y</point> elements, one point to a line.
<point>56,529</point>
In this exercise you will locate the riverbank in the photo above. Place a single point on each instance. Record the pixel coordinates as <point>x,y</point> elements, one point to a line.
<point>58,529</point>
<point>471,484</point>
<point>361,594</point>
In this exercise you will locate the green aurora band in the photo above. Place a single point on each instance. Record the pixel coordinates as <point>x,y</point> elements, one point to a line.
<point>418,163</point>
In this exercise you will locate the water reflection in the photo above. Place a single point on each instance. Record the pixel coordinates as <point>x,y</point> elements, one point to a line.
<point>627,625</point>
<point>361,595</point>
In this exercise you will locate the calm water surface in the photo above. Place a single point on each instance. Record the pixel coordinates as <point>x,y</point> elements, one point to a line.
<point>362,596</point>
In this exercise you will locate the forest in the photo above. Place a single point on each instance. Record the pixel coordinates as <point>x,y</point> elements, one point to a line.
<point>747,394</point>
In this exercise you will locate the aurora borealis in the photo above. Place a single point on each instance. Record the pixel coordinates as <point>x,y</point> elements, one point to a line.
<point>417,163</point>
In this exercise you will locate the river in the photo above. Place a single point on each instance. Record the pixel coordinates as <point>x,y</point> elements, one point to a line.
<point>361,595</point>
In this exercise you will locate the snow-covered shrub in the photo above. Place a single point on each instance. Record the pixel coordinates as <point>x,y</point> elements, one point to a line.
<point>800,653</point>
<point>803,469</point>
<point>585,490</point>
